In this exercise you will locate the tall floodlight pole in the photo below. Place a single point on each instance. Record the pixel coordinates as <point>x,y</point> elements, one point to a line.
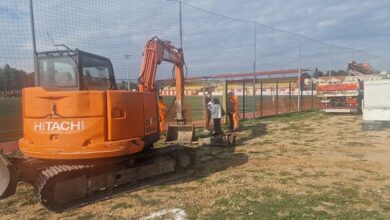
<point>254,73</point>
<point>181,26</point>
<point>331,62</point>
<point>299,77</point>
<point>36,76</point>
<point>127,57</point>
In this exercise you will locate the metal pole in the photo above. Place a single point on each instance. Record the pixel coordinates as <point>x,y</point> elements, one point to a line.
<point>243,98</point>
<point>127,57</point>
<point>254,74</point>
<point>181,27</point>
<point>261,98</point>
<point>225,99</point>
<point>312,94</point>
<point>289,97</point>
<point>299,78</point>
<point>331,62</point>
<point>204,104</point>
<point>277,96</point>
<point>36,76</point>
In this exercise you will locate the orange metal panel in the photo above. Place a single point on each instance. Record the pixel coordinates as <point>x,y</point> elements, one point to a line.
<point>39,103</point>
<point>63,134</point>
<point>125,115</point>
<point>97,150</point>
<point>74,124</point>
<point>151,113</point>
<point>62,122</point>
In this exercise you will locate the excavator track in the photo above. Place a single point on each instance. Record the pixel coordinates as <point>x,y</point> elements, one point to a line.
<point>71,185</point>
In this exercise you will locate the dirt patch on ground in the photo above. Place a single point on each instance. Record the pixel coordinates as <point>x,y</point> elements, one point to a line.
<point>305,165</point>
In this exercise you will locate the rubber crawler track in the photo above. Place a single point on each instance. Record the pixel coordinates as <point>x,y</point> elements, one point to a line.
<point>48,177</point>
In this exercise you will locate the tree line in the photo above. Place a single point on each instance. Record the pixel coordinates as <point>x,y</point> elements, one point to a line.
<point>13,80</point>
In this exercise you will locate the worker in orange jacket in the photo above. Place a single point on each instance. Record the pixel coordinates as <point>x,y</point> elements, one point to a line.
<point>236,117</point>
<point>162,113</point>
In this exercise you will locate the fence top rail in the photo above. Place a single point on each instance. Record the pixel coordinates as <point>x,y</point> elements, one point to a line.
<point>242,75</point>
<point>266,80</point>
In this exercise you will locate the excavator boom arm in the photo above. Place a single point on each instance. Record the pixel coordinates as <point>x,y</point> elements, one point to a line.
<point>155,52</point>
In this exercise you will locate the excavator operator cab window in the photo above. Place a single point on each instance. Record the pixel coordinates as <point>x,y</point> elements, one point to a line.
<point>57,72</point>
<point>96,73</point>
<point>74,70</point>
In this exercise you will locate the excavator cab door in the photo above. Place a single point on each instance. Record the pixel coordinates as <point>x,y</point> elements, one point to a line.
<point>96,72</point>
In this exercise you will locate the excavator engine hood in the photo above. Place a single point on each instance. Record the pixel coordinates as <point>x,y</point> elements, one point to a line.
<point>8,177</point>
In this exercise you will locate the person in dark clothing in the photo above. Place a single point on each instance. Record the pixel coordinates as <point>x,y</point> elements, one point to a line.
<point>216,114</point>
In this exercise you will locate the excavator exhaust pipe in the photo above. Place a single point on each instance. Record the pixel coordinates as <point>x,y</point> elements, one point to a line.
<point>180,134</point>
<point>9,177</point>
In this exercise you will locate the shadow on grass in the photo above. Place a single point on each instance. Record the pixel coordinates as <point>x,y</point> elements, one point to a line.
<point>251,132</point>
<point>209,160</point>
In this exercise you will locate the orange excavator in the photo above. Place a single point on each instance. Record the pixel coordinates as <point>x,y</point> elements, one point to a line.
<point>82,136</point>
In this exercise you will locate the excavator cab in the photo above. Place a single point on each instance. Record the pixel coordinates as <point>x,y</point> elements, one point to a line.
<point>74,70</point>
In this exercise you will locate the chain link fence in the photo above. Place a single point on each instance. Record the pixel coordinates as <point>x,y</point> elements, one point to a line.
<point>215,48</point>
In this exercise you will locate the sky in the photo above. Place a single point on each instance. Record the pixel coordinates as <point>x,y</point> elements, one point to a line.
<point>212,44</point>
<point>363,24</point>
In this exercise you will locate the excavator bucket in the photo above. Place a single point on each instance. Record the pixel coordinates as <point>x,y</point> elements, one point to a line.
<point>8,177</point>
<point>180,134</point>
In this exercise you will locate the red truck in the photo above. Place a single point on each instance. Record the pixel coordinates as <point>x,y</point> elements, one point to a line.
<point>345,95</point>
<point>340,96</point>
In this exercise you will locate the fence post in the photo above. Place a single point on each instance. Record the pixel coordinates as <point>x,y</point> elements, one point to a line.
<point>224,99</point>
<point>289,96</point>
<point>204,107</point>
<point>254,73</point>
<point>301,97</point>
<point>254,98</point>
<point>312,95</point>
<point>261,98</point>
<point>277,96</point>
<point>243,99</point>
<point>299,77</point>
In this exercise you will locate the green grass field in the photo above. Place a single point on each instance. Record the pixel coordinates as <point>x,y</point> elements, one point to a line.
<point>269,104</point>
<point>11,110</point>
<point>307,165</point>
<point>10,119</point>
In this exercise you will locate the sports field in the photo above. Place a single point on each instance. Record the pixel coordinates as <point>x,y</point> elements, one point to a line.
<point>265,105</point>
<point>11,110</point>
<point>10,119</point>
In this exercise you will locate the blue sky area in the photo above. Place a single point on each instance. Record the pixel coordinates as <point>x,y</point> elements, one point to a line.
<point>212,44</point>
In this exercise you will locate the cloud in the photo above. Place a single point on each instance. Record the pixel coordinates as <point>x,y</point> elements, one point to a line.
<point>326,23</point>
